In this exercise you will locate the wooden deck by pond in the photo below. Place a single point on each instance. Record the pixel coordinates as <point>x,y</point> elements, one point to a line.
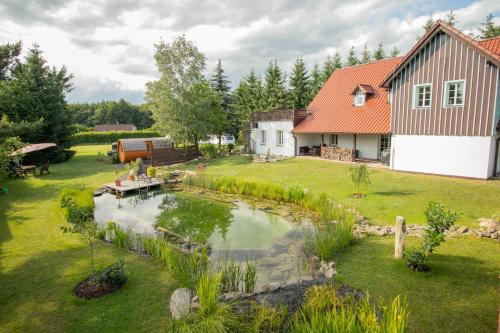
<point>128,186</point>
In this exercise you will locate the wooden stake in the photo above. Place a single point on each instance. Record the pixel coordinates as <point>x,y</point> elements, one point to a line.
<point>400,237</point>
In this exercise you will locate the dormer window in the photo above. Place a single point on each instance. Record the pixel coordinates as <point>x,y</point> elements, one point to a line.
<point>359,98</point>
<point>360,93</point>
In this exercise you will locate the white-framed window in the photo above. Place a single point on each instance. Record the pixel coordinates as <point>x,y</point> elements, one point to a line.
<point>454,92</point>
<point>279,138</point>
<point>389,96</point>
<point>385,142</point>
<point>359,98</point>
<point>334,140</point>
<point>262,137</point>
<point>422,96</point>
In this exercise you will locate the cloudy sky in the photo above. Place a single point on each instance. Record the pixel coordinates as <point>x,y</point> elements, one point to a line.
<point>108,45</point>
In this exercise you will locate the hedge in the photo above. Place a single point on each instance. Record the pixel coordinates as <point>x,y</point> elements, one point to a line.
<point>110,137</point>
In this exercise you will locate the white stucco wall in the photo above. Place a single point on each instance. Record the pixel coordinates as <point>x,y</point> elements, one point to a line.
<point>288,147</point>
<point>345,141</point>
<point>367,146</point>
<point>463,156</point>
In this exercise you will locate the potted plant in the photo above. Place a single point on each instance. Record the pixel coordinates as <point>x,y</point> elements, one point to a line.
<point>133,167</point>
<point>118,181</point>
<point>151,172</point>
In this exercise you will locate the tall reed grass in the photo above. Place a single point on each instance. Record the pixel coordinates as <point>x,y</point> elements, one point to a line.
<point>324,311</point>
<point>329,240</point>
<point>186,268</point>
<point>212,316</point>
<point>320,203</point>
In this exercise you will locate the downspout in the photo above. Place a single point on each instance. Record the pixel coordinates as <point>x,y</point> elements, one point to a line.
<point>294,144</point>
<point>497,152</point>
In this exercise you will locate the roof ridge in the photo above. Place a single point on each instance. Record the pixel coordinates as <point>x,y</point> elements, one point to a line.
<point>487,39</point>
<point>369,63</point>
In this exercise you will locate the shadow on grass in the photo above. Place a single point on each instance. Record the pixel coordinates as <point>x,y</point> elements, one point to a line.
<point>37,295</point>
<point>393,193</point>
<point>461,284</point>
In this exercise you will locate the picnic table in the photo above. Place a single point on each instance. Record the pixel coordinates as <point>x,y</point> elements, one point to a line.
<point>28,168</point>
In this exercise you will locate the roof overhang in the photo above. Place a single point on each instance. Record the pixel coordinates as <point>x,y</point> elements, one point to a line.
<point>440,26</point>
<point>365,88</point>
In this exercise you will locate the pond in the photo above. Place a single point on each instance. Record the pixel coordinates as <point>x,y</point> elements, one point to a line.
<point>234,230</point>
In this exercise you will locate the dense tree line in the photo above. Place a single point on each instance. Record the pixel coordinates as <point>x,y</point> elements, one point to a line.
<point>32,101</point>
<point>110,112</point>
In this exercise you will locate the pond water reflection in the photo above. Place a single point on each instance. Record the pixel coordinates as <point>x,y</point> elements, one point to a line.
<point>235,231</point>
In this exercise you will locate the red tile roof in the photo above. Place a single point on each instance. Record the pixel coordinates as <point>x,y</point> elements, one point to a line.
<point>492,44</point>
<point>333,111</point>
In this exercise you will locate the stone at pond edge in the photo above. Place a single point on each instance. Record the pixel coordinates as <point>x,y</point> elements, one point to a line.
<point>180,303</point>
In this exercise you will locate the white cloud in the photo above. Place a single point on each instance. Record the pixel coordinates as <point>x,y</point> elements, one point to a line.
<point>109,45</point>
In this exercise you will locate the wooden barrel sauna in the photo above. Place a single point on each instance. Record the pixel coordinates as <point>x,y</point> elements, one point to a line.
<point>132,149</point>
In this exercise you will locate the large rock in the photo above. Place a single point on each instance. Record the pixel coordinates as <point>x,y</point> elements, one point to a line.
<point>180,303</point>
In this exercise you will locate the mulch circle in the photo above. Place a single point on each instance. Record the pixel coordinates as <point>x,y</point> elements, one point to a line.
<point>89,289</point>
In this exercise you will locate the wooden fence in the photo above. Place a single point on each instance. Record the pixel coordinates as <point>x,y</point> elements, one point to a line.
<point>169,156</point>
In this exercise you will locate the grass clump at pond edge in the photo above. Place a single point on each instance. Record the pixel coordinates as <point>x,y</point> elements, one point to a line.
<point>324,311</point>
<point>187,268</point>
<point>328,240</point>
<point>320,203</point>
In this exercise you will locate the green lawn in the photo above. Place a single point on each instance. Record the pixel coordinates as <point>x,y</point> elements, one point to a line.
<point>39,265</point>
<point>460,294</point>
<point>390,194</point>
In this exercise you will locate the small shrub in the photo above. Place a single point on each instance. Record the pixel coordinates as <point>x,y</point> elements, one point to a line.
<point>230,147</point>
<point>415,259</point>
<point>78,205</point>
<point>208,150</point>
<point>113,275</point>
<point>359,176</point>
<point>151,172</point>
<point>439,220</point>
<point>250,277</point>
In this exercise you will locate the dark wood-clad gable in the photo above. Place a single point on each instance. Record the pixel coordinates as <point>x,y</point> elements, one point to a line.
<point>446,58</point>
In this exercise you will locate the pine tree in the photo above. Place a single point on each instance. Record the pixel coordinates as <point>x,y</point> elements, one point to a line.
<point>247,98</point>
<point>351,58</point>
<point>489,29</point>
<point>379,53</point>
<point>366,56</point>
<point>275,94</point>
<point>427,26</point>
<point>316,82</point>
<point>220,85</point>
<point>299,85</point>
<point>394,52</point>
<point>34,90</point>
<point>330,65</point>
<point>451,18</point>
